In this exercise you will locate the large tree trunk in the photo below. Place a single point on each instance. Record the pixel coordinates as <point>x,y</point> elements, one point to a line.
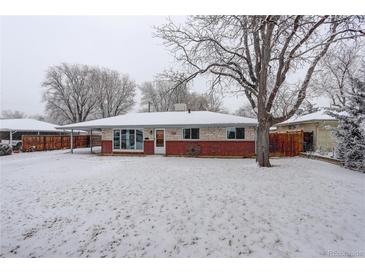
<point>262,145</point>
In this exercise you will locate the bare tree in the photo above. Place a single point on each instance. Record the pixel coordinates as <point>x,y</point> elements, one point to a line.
<point>12,114</point>
<point>76,93</point>
<point>265,56</point>
<point>178,90</point>
<point>246,111</point>
<point>158,96</point>
<point>306,108</point>
<point>335,72</point>
<point>114,92</point>
<point>16,114</point>
<point>205,101</point>
<point>39,117</point>
<point>161,95</point>
<point>69,95</point>
<point>152,96</point>
<point>167,89</point>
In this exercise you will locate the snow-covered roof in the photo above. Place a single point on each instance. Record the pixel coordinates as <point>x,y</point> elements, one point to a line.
<point>166,119</point>
<point>27,125</point>
<point>320,115</point>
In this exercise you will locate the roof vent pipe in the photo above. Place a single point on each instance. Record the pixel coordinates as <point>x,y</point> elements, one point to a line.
<point>189,110</point>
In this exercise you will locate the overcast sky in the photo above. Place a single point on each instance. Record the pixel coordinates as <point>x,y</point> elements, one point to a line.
<point>29,45</point>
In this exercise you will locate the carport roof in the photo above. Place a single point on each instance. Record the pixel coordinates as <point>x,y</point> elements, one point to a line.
<point>166,119</point>
<point>27,125</point>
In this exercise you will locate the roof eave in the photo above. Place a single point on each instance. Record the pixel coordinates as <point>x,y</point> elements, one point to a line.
<point>158,125</point>
<point>30,130</point>
<point>306,122</point>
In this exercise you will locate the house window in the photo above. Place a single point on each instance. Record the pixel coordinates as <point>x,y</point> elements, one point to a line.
<point>191,133</point>
<point>124,139</point>
<point>235,133</point>
<point>128,139</point>
<point>139,139</point>
<point>116,139</point>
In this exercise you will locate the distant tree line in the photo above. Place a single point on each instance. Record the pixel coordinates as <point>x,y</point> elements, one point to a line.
<point>16,114</point>
<point>12,114</point>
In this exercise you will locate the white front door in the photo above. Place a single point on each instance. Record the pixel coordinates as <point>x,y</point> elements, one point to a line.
<point>160,142</point>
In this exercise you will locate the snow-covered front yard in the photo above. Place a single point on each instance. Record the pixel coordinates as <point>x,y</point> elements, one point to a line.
<point>54,204</point>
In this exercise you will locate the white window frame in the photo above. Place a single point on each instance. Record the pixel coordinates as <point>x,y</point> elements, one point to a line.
<point>135,140</point>
<point>235,139</point>
<point>191,139</point>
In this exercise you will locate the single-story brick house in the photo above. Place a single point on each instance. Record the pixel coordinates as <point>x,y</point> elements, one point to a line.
<point>200,133</point>
<point>317,128</point>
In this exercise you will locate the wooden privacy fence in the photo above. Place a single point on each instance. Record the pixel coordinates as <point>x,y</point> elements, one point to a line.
<point>288,143</point>
<point>52,142</point>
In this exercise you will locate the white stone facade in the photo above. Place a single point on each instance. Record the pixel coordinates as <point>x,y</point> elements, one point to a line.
<point>107,134</point>
<point>176,134</point>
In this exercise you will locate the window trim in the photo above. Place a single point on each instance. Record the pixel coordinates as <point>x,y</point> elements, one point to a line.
<point>189,139</point>
<point>235,137</point>
<point>113,138</point>
<point>120,140</point>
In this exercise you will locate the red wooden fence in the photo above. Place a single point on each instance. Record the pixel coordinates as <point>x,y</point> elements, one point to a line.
<point>52,142</point>
<point>288,143</point>
<point>281,143</point>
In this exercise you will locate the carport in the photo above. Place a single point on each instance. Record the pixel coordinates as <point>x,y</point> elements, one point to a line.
<point>15,129</point>
<point>73,129</point>
<point>19,127</point>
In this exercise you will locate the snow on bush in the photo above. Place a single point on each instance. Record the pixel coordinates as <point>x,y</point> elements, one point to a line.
<point>350,133</point>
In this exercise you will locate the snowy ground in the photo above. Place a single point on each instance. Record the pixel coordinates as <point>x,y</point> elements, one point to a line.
<point>326,154</point>
<point>54,204</point>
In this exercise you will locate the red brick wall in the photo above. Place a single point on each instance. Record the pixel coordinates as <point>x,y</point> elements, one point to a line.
<point>149,147</point>
<point>211,148</point>
<point>106,147</point>
<point>205,148</point>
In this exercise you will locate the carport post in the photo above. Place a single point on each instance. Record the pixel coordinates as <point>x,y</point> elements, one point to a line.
<point>72,143</point>
<point>91,140</point>
<point>11,138</point>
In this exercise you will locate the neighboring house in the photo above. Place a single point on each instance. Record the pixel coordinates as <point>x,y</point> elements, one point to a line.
<point>317,128</point>
<point>200,133</point>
